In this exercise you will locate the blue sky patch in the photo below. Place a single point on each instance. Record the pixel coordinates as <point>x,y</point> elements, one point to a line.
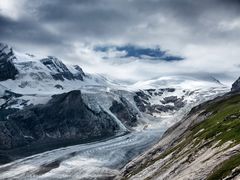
<point>140,52</point>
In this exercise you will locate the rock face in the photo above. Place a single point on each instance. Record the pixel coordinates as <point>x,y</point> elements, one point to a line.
<point>60,70</point>
<point>166,104</point>
<point>7,69</point>
<point>65,116</point>
<point>236,85</point>
<point>124,113</point>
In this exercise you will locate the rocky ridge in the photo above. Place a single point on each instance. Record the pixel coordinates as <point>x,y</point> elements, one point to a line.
<point>60,70</point>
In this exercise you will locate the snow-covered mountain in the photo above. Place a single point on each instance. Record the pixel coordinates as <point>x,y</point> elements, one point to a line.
<point>27,74</point>
<point>43,100</point>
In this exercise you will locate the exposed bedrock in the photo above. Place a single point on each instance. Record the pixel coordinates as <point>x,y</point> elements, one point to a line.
<point>65,116</point>
<point>124,112</point>
<point>7,69</point>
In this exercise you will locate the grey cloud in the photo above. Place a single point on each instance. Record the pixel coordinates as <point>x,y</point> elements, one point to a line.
<point>184,26</point>
<point>26,31</point>
<point>106,19</point>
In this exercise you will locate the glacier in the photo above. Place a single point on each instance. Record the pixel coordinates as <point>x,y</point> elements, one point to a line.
<point>152,103</point>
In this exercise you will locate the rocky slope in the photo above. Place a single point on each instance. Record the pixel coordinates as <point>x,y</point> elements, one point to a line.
<point>203,145</point>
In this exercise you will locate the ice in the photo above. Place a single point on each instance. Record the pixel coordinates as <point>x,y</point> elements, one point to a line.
<point>83,161</point>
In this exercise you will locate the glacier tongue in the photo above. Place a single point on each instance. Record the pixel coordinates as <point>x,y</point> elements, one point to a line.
<point>101,159</point>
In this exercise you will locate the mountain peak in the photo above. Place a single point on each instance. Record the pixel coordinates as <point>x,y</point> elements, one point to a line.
<point>236,85</point>
<point>60,71</point>
<point>7,69</point>
<point>54,64</point>
<point>6,52</point>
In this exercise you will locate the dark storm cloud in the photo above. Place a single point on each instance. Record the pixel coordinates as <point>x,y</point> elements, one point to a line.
<point>94,19</point>
<point>100,20</point>
<point>25,31</point>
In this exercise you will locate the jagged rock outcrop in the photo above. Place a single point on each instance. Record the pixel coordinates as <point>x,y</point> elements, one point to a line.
<point>166,104</point>
<point>236,85</point>
<point>7,69</point>
<point>65,116</point>
<point>60,70</point>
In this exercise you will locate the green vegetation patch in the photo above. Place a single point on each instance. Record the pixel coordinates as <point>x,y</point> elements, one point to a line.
<point>223,124</point>
<point>225,168</point>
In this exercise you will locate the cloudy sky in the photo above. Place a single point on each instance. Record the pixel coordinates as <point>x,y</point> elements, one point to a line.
<point>129,39</point>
